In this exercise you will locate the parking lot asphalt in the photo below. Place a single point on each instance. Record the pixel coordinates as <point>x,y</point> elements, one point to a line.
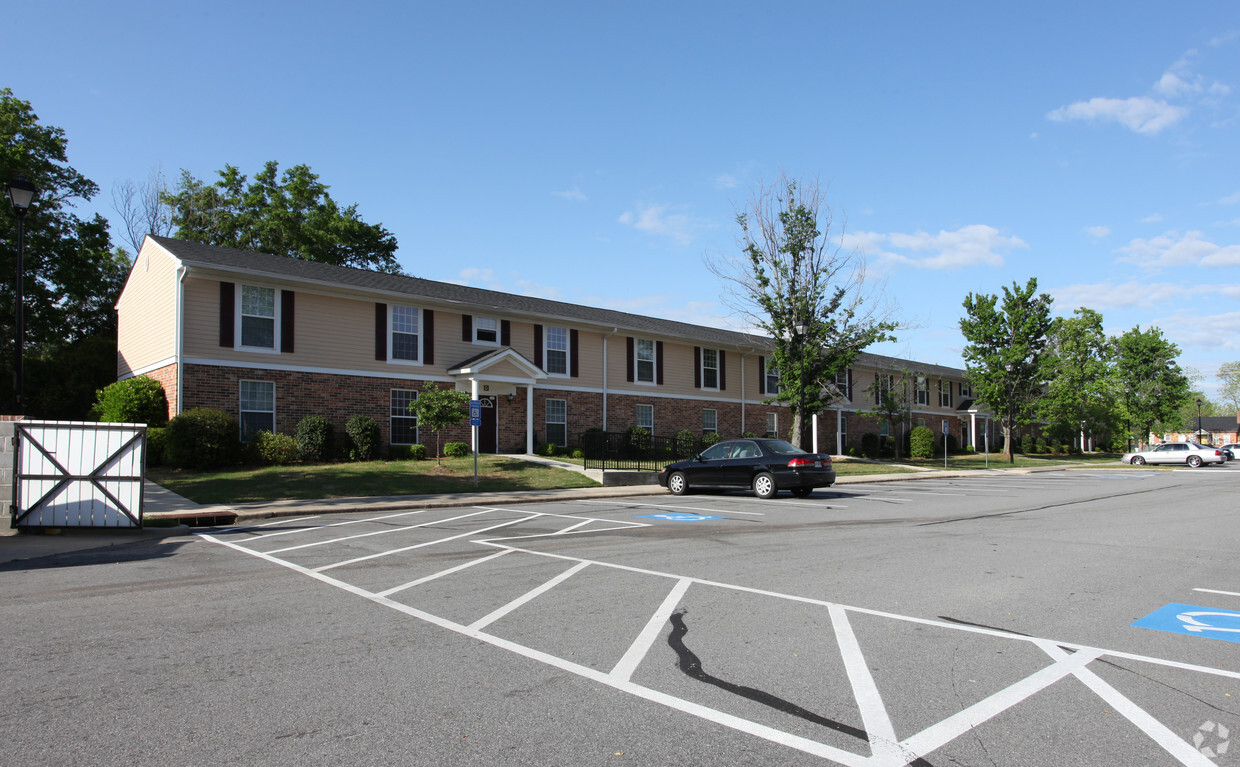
<point>160,503</point>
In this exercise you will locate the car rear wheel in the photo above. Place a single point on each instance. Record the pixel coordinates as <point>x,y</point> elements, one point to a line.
<point>677,483</point>
<point>1194,461</point>
<point>764,486</point>
<point>1138,460</point>
<point>802,492</point>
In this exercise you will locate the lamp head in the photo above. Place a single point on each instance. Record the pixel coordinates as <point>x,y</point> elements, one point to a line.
<point>22,194</point>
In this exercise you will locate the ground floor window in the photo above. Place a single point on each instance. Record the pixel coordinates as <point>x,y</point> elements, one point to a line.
<point>884,429</point>
<point>404,424</point>
<point>258,408</point>
<point>557,422</point>
<point>710,421</point>
<point>772,425</point>
<point>645,417</point>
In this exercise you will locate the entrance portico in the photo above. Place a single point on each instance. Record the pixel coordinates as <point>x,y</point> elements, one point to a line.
<point>493,377</point>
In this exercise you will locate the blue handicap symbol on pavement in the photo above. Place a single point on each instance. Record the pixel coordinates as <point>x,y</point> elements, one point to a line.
<point>679,517</point>
<point>1194,620</point>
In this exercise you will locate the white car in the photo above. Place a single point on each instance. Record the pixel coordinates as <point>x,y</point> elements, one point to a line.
<point>1186,453</point>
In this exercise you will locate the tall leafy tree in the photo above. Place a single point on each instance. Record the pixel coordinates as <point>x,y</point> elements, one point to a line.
<point>1080,388</point>
<point>1004,357</point>
<point>437,408</point>
<point>892,393</point>
<point>1155,387</point>
<point>72,275</point>
<point>795,282</point>
<point>1229,391</point>
<point>288,214</point>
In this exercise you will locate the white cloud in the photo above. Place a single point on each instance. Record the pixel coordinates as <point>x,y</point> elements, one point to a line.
<point>972,245</point>
<point>538,290</point>
<point>1153,218</point>
<point>474,275</point>
<point>1230,199</point>
<point>1098,232</point>
<point>1101,296</point>
<point>656,219</point>
<point>1140,113</point>
<point>1172,249</point>
<point>726,181</point>
<point>572,194</point>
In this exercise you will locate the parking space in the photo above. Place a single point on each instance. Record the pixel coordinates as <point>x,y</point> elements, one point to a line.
<point>716,606</point>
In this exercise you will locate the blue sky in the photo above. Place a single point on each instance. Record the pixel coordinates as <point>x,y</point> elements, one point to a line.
<point>599,154</point>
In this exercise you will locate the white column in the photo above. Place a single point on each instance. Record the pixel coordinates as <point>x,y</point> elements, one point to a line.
<point>814,425</point>
<point>839,431</point>
<point>529,419</point>
<point>973,431</point>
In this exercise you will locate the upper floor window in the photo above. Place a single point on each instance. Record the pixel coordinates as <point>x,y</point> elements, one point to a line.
<point>644,351</point>
<point>923,391</point>
<point>556,354</point>
<point>883,384</point>
<point>405,334</point>
<point>772,378</point>
<point>842,380</point>
<point>710,368</point>
<point>945,393</point>
<point>486,330</point>
<point>258,317</point>
<point>965,389</point>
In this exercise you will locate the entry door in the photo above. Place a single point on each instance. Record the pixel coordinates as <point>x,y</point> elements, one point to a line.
<point>488,432</point>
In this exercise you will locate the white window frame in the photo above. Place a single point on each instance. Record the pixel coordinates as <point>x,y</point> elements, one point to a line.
<point>561,406</point>
<point>772,424</point>
<point>884,429</point>
<point>646,423</point>
<point>638,360</point>
<point>772,378</point>
<point>241,406</point>
<point>841,383</point>
<point>240,315</point>
<point>945,393</point>
<point>405,415</point>
<point>921,388</point>
<point>494,326</point>
<point>712,367</point>
<point>886,382</point>
<point>393,332</point>
<point>549,333</point>
<point>710,420</point>
<point>966,390</point>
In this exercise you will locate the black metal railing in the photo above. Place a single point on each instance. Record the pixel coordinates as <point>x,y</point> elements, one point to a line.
<point>636,451</point>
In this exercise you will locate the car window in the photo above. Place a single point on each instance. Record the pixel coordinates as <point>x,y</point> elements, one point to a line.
<point>781,447</point>
<point>717,452</point>
<point>745,450</point>
<point>1180,448</point>
<point>1163,449</point>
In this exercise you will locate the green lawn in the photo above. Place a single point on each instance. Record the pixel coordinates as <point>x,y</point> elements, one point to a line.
<point>965,462</point>
<point>345,480</point>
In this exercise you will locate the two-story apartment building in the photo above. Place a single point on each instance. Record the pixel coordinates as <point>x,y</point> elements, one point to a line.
<point>271,339</point>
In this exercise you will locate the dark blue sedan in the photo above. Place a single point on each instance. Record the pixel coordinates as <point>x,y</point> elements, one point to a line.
<point>765,466</point>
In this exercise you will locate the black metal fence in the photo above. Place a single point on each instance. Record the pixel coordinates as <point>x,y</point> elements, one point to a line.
<point>636,451</point>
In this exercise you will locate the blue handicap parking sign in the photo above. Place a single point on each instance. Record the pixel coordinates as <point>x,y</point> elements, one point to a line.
<point>679,517</point>
<point>1194,620</point>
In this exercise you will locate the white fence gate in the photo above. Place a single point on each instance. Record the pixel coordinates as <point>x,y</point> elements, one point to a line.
<point>74,474</point>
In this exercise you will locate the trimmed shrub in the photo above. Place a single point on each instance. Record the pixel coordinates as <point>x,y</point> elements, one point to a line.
<point>593,442</point>
<point>636,442</point>
<point>156,445</point>
<point>578,453</point>
<point>546,449</point>
<point>267,449</point>
<point>869,445</point>
<point>418,452</point>
<point>952,444</point>
<point>202,438</point>
<point>456,449</point>
<point>710,438</point>
<point>364,437</point>
<point>921,442</point>
<point>1026,444</point>
<point>686,443</point>
<point>134,400</point>
<point>315,437</point>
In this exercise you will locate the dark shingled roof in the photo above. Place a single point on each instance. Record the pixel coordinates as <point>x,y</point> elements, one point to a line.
<point>195,254</point>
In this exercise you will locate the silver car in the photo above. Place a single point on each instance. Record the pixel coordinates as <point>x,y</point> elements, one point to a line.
<point>1183,453</point>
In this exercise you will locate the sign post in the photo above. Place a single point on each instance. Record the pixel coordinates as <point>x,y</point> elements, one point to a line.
<point>475,420</point>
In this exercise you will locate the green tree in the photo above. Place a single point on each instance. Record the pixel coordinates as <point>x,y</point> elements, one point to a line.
<point>1080,385</point>
<point>1004,357</point>
<point>892,392</point>
<point>437,409</point>
<point>1229,392</point>
<point>1155,387</point>
<point>72,275</point>
<point>795,283</point>
<point>288,214</point>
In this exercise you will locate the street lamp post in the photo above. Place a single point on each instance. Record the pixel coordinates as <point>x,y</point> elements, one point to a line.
<point>1011,415</point>
<point>802,328</point>
<point>1198,421</point>
<point>22,194</point>
<point>1128,415</point>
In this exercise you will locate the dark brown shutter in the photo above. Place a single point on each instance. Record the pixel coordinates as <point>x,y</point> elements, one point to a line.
<point>632,359</point>
<point>228,310</point>
<point>848,393</point>
<point>723,379</point>
<point>428,337</point>
<point>467,328</point>
<point>381,332</point>
<point>538,346</point>
<point>505,333</point>
<point>762,375</point>
<point>286,321</point>
<point>658,362</point>
<point>697,367</point>
<point>573,345</point>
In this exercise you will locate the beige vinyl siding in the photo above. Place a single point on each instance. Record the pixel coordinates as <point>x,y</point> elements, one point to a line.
<point>590,358</point>
<point>146,312</point>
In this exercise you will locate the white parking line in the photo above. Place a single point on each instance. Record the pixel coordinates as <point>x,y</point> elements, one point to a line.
<point>623,671</point>
<point>442,573</point>
<point>679,507</point>
<point>1214,591</point>
<point>495,615</point>
<point>401,529</point>
<point>422,545</point>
